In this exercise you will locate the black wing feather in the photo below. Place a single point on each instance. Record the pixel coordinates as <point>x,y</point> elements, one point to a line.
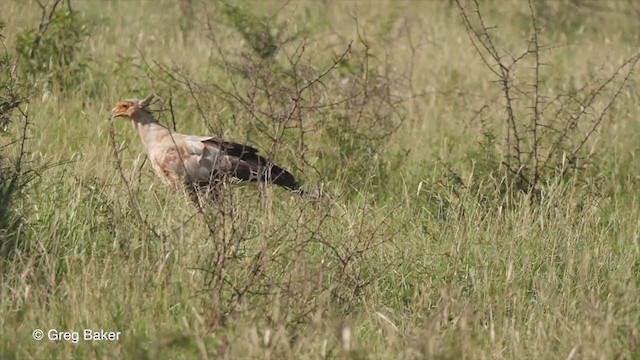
<point>261,169</point>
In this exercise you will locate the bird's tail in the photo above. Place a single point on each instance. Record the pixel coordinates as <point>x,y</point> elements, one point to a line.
<point>283,178</point>
<point>312,195</point>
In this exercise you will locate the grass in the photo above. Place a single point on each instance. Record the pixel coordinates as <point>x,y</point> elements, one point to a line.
<point>405,265</point>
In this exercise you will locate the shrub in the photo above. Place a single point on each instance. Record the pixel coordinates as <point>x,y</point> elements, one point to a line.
<point>52,54</point>
<point>545,128</point>
<point>13,173</point>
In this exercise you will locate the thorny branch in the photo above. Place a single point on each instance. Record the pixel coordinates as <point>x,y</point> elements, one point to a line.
<point>535,149</point>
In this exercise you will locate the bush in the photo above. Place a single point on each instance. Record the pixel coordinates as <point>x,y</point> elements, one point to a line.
<point>546,128</point>
<point>13,173</point>
<point>52,54</point>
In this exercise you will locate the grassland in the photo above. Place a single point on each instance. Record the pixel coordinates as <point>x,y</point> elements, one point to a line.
<point>426,248</point>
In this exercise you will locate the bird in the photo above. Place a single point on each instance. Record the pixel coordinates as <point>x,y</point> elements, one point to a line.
<point>200,163</point>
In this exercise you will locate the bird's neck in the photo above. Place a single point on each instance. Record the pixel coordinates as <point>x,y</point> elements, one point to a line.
<point>150,129</point>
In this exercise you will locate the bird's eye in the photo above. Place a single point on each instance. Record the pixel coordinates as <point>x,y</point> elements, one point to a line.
<point>125,106</point>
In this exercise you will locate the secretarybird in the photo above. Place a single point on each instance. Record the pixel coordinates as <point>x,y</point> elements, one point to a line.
<point>201,163</point>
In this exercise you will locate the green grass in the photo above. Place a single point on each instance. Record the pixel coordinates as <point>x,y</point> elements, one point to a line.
<point>401,264</point>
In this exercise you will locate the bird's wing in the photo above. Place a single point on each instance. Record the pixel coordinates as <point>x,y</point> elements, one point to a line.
<point>207,158</point>
<point>244,163</point>
<point>199,161</point>
<point>240,151</point>
<point>237,161</point>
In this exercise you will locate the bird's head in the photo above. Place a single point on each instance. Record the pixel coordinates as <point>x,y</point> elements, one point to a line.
<point>132,108</point>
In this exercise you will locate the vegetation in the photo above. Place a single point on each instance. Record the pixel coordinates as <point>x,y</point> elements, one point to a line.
<point>479,162</point>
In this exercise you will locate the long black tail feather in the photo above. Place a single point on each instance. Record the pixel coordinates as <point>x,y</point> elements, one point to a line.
<point>283,178</point>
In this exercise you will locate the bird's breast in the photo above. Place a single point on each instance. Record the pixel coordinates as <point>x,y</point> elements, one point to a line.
<point>169,165</point>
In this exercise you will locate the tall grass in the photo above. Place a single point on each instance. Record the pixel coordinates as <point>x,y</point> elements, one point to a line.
<point>419,250</point>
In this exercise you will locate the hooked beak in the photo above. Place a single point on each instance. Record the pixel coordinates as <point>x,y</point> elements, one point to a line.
<point>115,112</point>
